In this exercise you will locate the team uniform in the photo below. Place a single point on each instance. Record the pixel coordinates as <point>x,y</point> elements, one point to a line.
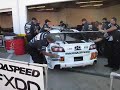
<point>44,26</point>
<point>116,50</point>
<point>36,46</point>
<point>63,25</point>
<point>85,26</point>
<point>106,25</point>
<point>110,48</point>
<point>30,30</point>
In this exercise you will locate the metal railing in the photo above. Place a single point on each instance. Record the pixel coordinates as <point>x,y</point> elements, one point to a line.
<point>112,76</point>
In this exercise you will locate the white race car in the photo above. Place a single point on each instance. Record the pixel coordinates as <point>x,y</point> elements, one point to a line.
<point>61,29</point>
<point>73,51</point>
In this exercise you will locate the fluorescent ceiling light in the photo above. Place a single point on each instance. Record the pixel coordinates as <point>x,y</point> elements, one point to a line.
<point>97,5</point>
<point>96,1</point>
<point>86,5</point>
<point>36,7</point>
<point>50,9</point>
<point>85,2</point>
<point>81,2</point>
<point>41,7</point>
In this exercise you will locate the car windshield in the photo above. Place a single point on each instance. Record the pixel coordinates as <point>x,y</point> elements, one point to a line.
<point>76,37</point>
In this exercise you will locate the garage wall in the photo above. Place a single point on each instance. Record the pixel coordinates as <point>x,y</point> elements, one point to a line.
<point>73,16</point>
<point>41,16</point>
<point>7,4</point>
<point>78,14</point>
<point>13,5</point>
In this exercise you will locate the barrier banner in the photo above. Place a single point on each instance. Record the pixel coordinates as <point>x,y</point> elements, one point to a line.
<point>20,76</point>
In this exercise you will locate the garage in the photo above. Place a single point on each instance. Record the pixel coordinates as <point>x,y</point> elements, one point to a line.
<point>72,12</point>
<point>6,22</point>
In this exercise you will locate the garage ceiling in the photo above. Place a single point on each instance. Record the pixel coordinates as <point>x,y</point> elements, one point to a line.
<point>7,13</point>
<point>74,4</point>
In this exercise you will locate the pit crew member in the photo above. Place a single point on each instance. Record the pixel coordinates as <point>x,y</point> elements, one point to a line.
<point>46,26</point>
<point>37,47</point>
<point>31,29</point>
<point>112,46</point>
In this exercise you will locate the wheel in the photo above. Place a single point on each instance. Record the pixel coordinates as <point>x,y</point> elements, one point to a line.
<point>101,50</point>
<point>95,62</point>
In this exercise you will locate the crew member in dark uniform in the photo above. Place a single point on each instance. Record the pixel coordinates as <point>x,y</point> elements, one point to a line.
<point>105,23</point>
<point>110,45</point>
<point>85,25</point>
<point>46,26</point>
<point>62,24</point>
<point>116,46</point>
<point>31,29</point>
<point>103,43</point>
<point>37,47</point>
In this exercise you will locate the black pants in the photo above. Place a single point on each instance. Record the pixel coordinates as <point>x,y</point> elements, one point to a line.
<point>37,57</point>
<point>116,55</point>
<point>108,50</point>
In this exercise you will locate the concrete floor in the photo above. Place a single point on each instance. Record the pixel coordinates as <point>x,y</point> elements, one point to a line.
<point>62,80</point>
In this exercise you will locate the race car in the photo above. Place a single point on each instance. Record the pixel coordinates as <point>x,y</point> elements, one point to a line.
<point>61,29</point>
<point>73,50</point>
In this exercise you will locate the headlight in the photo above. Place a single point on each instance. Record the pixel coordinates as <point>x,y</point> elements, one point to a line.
<point>57,49</point>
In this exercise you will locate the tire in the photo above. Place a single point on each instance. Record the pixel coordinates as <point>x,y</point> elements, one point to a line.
<point>57,67</point>
<point>101,50</point>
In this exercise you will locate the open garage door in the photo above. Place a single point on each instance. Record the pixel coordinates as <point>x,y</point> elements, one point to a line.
<point>72,12</point>
<point>6,22</point>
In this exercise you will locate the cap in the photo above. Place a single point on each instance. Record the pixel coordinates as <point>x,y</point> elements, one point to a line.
<point>33,18</point>
<point>47,21</point>
<point>84,19</point>
<point>104,19</point>
<point>61,21</point>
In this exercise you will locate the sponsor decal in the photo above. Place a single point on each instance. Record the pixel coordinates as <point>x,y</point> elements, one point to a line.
<point>77,52</point>
<point>77,48</point>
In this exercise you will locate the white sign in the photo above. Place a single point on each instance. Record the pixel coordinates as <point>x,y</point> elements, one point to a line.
<point>20,76</point>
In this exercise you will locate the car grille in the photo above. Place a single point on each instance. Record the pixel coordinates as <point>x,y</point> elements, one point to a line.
<point>78,58</point>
